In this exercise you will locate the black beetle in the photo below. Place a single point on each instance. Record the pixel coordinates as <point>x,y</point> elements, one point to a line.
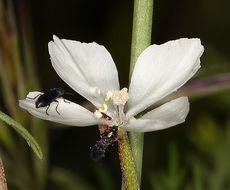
<point>48,97</point>
<point>107,138</point>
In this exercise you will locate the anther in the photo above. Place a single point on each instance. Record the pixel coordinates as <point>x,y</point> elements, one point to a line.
<point>107,98</point>
<point>105,108</point>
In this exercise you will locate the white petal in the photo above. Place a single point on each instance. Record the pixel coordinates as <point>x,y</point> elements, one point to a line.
<point>88,68</point>
<point>70,113</point>
<point>161,70</point>
<point>169,114</point>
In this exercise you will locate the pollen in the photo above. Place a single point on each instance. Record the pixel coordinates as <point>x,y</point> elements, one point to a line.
<point>105,108</point>
<point>107,98</point>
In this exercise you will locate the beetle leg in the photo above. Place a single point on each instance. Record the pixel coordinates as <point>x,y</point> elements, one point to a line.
<point>57,106</point>
<point>47,110</point>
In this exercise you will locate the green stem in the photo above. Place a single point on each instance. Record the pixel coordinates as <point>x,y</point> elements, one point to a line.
<point>141,39</point>
<point>142,28</point>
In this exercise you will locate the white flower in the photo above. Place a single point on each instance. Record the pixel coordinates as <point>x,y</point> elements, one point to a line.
<point>89,69</point>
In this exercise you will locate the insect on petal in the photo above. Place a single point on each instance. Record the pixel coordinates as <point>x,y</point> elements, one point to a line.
<point>63,111</point>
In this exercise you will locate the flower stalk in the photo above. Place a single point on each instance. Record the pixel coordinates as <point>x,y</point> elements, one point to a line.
<point>141,39</point>
<point>127,164</point>
<point>142,29</point>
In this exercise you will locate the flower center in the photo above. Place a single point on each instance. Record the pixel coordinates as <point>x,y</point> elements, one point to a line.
<point>118,97</point>
<point>115,100</point>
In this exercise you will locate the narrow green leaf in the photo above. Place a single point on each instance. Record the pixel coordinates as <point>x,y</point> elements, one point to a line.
<point>22,131</point>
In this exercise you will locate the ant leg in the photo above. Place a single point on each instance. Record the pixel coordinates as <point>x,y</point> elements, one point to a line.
<point>57,106</point>
<point>34,97</point>
<point>47,110</point>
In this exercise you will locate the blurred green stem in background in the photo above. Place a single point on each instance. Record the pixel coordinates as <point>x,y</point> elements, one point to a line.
<point>38,127</point>
<point>141,39</point>
<point>16,51</point>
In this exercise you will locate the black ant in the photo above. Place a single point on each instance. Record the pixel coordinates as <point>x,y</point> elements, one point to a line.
<point>48,97</point>
<point>107,138</point>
